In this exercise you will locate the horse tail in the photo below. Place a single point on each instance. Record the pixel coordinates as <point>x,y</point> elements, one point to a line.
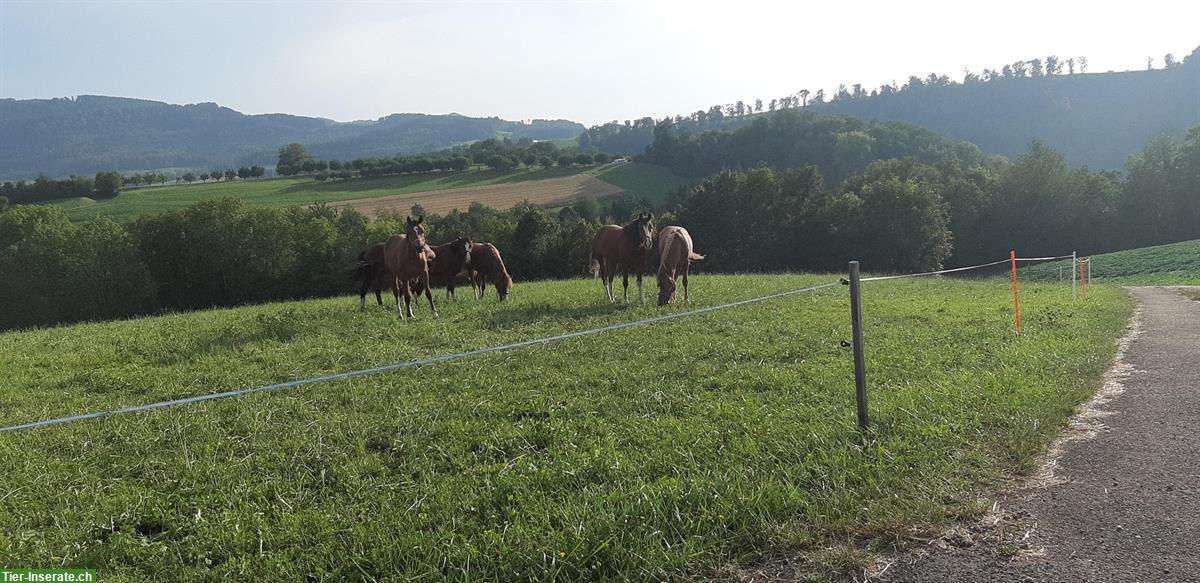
<point>593,264</point>
<point>694,256</point>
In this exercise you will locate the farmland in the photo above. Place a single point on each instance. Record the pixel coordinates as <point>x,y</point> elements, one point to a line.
<point>544,192</point>
<point>687,448</point>
<point>640,180</point>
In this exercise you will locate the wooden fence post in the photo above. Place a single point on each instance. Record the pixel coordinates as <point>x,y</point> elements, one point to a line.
<point>860,363</point>
<point>1012,255</point>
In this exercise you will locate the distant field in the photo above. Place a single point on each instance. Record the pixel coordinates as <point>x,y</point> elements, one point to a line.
<point>547,192</point>
<point>680,451</point>
<point>1177,263</point>
<point>641,180</point>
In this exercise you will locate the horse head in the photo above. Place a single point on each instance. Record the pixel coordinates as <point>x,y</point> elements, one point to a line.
<point>461,247</point>
<point>415,232</point>
<point>640,232</point>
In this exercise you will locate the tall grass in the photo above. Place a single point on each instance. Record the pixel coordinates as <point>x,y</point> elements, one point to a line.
<point>650,453</point>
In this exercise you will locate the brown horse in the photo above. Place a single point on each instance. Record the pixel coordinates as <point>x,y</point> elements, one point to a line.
<point>487,265</point>
<point>407,257</point>
<point>451,259</point>
<point>675,259</point>
<point>371,274</point>
<point>621,248</point>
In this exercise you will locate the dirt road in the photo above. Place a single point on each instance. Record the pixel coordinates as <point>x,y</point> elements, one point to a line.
<point>1119,500</point>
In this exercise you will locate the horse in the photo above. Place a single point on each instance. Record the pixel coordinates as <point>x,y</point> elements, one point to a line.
<point>487,265</point>
<point>371,273</point>
<point>451,259</point>
<point>675,259</point>
<point>620,248</point>
<point>407,257</point>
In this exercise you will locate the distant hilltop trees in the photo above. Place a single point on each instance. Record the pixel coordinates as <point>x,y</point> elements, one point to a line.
<point>1095,119</point>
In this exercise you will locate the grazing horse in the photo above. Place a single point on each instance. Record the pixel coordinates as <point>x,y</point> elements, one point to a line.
<point>486,265</point>
<point>621,248</point>
<point>407,257</point>
<point>675,259</point>
<point>451,259</point>
<point>371,273</point>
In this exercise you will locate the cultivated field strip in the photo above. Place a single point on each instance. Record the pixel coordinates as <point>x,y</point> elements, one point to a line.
<point>548,192</point>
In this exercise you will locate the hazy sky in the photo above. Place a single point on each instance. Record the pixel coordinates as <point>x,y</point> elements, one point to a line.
<point>586,61</point>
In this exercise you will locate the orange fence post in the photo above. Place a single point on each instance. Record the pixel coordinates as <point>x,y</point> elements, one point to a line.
<point>1012,254</point>
<point>1083,278</point>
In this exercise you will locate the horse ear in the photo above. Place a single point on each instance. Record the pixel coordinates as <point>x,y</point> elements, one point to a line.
<point>420,219</point>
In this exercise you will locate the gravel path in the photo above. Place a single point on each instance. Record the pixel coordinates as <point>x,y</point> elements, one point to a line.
<point>1119,499</point>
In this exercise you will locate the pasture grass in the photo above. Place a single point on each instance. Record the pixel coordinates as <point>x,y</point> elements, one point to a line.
<point>642,180</point>
<point>672,451</point>
<point>1173,264</point>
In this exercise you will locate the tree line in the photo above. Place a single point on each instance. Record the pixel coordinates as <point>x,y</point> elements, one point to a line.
<point>501,155</point>
<point>224,253</point>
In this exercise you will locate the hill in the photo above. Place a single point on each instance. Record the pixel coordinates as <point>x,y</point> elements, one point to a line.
<point>679,450</point>
<point>1174,264</point>
<point>1094,119</point>
<point>90,133</point>
<point>541,187</point>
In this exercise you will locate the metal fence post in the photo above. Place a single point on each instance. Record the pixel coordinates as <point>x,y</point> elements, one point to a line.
<point>1074,297</point>
<point>860,364</point>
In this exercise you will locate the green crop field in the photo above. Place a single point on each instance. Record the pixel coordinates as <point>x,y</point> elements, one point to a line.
<point>1174,264</point>
<point>687,448</point>
<point>641,180</point>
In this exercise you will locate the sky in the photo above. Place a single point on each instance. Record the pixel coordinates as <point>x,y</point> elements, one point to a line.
<point>586,61</point>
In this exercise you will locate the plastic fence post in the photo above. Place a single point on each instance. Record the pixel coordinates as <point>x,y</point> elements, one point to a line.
<point>1083,279</point>
<point>1074,295</point>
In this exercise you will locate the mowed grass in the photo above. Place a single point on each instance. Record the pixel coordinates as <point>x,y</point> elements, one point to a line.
<point>1174,264</point>
<point>642,180</point>
<point>686,448</point>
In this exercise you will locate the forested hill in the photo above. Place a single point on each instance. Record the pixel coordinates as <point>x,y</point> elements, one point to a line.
<point>90,133</point>
<point>1094,119</point>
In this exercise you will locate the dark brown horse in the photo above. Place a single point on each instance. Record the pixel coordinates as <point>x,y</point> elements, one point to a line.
<point>407,258</point>
<point>487,265</point>
<point>618,248</point>
<point>451,260</point>
<point>674,259</point>
<point>371,274</point>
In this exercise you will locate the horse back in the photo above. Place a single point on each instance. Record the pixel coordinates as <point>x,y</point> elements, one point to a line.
<point>675,247</point>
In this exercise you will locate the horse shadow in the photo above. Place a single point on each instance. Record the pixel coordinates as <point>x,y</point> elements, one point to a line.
<point>529,314</point>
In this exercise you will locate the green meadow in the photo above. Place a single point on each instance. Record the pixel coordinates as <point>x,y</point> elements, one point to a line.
<point>682,449</point>
<point>1173,264</point>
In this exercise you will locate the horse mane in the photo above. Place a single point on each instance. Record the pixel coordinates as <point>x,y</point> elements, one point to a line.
<point>631,232</point>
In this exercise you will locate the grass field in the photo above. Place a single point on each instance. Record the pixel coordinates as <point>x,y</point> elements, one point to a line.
<point>1177,263</point>
<point>687,448</point>
<point>642,180</point>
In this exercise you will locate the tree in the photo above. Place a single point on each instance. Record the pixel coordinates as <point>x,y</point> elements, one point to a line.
<point>583,158</point>
<point>291,159</point>
<point>243,172</point>
<point>1071,66</point>
<point>189,177</point>
<point>1053,67</point>
<point>602,158</point>
<point>3,203</point>
<point>1083,63</point>
<point>566,160</point>
<point>758,106</point>
<point>215,174</point>
<point>108,184</point>
<point>230,174</point>
<point>501,163</point>
<point>257,171</point>
<point>1035,67</point>
<point>1149,63</point>
<point>1169,61</point>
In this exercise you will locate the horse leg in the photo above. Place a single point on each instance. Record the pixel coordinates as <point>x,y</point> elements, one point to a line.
<point>396,293</point>
<point>625,282</point>
<point>429,295</point>
<point>686,269</point>
<point>379,296</point>
<point>641,295</point>
<point>610,275</point>
<point>362,295</point>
